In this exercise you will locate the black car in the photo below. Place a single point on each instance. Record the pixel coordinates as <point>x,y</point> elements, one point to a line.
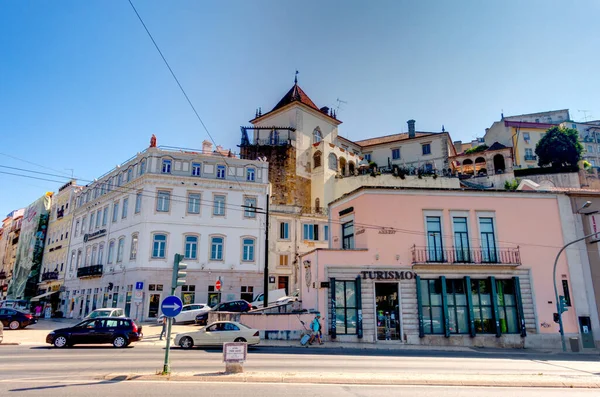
<point>15,318</point>
<point>239,306</point>
<point>120,331</point>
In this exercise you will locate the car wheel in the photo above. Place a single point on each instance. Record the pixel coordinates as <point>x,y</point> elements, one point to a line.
<point>240,340</point>
<point>61,341</point>
<point>14,325</point>
<point>119,341</point>
<point>186,342</point>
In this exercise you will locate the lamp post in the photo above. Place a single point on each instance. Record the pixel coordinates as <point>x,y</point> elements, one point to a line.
<point>559,308</point>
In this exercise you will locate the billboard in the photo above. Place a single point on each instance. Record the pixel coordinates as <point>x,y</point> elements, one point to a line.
<point>30,249</point>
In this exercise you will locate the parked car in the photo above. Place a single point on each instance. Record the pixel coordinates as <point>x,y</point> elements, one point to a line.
<point>218,333</point>
<point>239,306</point>
<point>274,295</point>
<point>15,319</point>
<point>120,331</point>
<point>188,313</point>
<point>106,312</point>
<point>287,299</point>
<point>19,304</point>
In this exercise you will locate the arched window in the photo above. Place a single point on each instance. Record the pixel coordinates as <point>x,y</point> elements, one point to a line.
<point>351,167</point>
<point>333,162</point>
<point>317,159</point>
<point>343,165</point>
<point>142,167</point>
<point>317,204</point>
<point>134,247</point>
<point>317,136</point>
<point>101,253</point>
<point>120,249</point>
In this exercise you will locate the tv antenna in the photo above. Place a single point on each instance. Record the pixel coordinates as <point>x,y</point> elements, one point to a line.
<point>585,116</point>
<point>339,104</point>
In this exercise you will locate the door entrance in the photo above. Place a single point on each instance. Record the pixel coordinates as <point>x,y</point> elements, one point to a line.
<point>388,311</point>
<point>587,336</point>
<point>283,283</point>
<point>154,305</point>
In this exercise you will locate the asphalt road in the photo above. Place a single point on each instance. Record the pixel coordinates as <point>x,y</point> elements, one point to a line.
<point>161,389</point>
<point>26,362</point>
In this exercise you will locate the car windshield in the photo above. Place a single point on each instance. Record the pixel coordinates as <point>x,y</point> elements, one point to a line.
<point>99,313</point>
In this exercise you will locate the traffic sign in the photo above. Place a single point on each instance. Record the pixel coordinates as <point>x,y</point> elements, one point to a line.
<point>171,306</point>
<point>139,285</point>
<point>218,285</point>
<point>138,296</point>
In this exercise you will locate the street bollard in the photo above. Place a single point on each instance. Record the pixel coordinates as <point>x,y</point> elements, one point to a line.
<point>234,355</point>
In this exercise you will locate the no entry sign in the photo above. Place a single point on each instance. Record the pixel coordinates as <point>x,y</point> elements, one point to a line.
<point>218,285</point>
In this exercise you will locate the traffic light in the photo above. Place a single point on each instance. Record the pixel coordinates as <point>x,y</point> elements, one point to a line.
<point>555,316</point>
<point>179,273</point>
<point>562,304</point>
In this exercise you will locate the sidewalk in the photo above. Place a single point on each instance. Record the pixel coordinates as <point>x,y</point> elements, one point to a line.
<point>376,379</point>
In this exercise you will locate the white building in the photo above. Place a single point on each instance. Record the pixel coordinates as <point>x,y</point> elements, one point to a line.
<point>129,224</point>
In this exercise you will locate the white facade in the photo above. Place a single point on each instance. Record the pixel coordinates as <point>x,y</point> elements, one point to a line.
<point>156,205</point>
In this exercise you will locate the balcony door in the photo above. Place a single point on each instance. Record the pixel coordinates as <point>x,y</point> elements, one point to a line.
<point>435,251</point>
<point>461,240</point>
<point>489,251</point>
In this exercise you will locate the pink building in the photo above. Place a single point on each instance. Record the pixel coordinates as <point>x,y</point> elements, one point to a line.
<point>441,267</point>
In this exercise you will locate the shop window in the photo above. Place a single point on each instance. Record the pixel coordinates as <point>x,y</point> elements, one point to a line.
<point>431,302</point>
<point>346,312</point>
<point>214,296</point>
<point>458,311</point>
<point>247,293</point>
<point>507,306</point>
<point>188,294</point>
<point>482,306</point>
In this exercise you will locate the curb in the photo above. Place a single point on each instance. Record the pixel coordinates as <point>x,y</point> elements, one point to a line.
<point>10,344</point>
<point>221,377</point>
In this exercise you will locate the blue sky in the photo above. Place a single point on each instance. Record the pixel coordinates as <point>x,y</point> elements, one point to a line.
<point>82,87</point>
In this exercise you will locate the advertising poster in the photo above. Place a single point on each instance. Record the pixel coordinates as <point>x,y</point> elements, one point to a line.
<point>30,248</point>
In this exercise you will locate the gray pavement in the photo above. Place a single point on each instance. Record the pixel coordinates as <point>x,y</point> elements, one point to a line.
<point>165,388</point>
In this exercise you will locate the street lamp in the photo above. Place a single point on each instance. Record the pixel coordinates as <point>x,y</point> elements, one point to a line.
<point>560,302</point>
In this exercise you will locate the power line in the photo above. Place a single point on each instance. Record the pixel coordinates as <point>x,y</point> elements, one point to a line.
<point>31,177</point>
<point>32,163</point>
<point>178,83</point>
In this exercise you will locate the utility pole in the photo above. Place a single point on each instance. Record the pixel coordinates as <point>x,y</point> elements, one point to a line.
<point>266,272</point>
<point>178,278</point>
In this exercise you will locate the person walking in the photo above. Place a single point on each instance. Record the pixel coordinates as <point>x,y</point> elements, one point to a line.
<point>315,327</point>
<point>164,328</point>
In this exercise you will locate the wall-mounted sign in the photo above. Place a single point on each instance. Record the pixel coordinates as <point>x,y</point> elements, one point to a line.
<point>91,236</point>
<point>271,279</point>
<point>359,231</point>
<point>387,230</point>
<point>387,275</point>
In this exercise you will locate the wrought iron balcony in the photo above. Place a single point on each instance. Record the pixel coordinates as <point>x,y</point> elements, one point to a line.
<point>50,276</point>
<point>498,256</point>
<point>90,271</point>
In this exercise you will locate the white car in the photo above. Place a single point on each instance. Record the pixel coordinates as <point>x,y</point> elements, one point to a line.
<point>188,313</point>
<point>106,312</point>
<point>218,333</point>
<point>287,299</point>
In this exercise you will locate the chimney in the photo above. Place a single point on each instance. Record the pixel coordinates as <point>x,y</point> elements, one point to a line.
<point>206,147</point>
<point>411,128</point>
<point>325,110</point>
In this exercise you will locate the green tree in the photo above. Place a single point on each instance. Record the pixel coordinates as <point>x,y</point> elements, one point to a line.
<point>559,147</point>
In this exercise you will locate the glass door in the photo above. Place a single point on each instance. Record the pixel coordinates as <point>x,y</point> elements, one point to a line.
<point>154,305</point>
<point>388,311</point>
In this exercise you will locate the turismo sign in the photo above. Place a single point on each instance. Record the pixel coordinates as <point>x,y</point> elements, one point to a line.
<point>91,236</point>
<point>387,275</point>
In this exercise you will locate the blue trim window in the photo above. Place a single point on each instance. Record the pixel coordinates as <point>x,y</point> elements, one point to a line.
<point>142,167</point>
<point>219,206</point>
<point>426,148</point>
<point>311,232</point>
<point>250,174</point>
<point>326,232</point>
<point>125,208</point>
<point>166,166</point>
<point>216,248</point>
<point>284,231</point>
<point>138,202</point>
<point>368,156</point>
<point>194,203</point>
<point>248,250</point>
<point>196,169</point>
<point>249,207</point>
<point>221,171</point>
<point>191,247</point>
<point>163,201</point>
<point>159,244</point>
<point>395,154</point>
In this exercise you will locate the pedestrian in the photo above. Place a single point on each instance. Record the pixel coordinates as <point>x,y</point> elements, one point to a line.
<point>315,327</point>
<point>164,327</point>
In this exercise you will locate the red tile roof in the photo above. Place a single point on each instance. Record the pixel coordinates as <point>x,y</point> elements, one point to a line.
<point>390,138</point>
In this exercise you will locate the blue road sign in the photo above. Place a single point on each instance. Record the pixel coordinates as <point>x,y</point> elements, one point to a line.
<point>171,306</point>
<point>139,285</point>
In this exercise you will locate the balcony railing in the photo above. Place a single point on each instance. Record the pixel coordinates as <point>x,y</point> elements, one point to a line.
<point>499,256</point>
<point>49,276</point>
<point>90,271</point>
<point>530,157</point>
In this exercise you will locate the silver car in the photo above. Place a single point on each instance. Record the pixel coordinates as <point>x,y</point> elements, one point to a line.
<point>106,312</point>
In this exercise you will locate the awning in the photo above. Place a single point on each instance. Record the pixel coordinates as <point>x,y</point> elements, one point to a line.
<point>37,298</point>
